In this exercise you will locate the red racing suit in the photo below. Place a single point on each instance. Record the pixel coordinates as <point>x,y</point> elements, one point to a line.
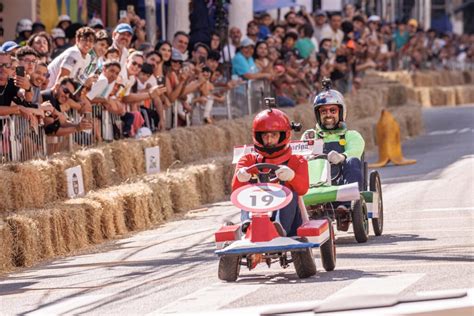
<point>299,184</point>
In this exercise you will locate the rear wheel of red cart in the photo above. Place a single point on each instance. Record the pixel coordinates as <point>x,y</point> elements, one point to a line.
<point>229,268</point>
<point>328,250</point>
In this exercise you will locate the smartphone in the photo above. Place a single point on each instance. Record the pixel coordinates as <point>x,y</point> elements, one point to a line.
<point>20,71</point>
<point>123,14</point>
<point>160,80</point>
<point>202,59</point>
<point>131,9</point>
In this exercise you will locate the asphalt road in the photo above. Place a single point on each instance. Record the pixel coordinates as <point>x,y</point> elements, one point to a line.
<point>428,244</point>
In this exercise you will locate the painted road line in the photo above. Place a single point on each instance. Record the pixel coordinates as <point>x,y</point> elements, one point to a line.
<point>391,285</point>
<point>444,132</point>
<point>204,299</point>
<point>383,265</point>
<point>465,130</point>
<point>441,209</point>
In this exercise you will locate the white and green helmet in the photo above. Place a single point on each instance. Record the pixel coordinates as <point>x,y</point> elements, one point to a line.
<point>329,97</point>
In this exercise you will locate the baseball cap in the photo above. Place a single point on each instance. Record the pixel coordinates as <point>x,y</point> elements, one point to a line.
<point>123,27</point>
<point>320,13</point>
<point>8,46</point>
<point>247,42</point>
<point>374,18</point>
<point>413,22</point>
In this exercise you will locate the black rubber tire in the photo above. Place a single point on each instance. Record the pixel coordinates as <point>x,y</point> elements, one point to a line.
<point>328,250</point>
<point>376,186</point>
<point>360,220</point>
<point>304,263</point>
<point>229,268</point>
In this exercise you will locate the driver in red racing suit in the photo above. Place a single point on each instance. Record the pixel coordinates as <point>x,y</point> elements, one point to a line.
<point>271,133</point>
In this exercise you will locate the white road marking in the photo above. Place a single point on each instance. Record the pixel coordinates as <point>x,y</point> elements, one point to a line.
<point>209,297</point>
<point>444,132</point>
<point>378,286</point>
<point>69,305</point>
<point>442,209</point>
<point>465,130</point>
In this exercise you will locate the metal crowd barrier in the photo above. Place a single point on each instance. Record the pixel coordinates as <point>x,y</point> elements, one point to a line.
<point>20,141</point>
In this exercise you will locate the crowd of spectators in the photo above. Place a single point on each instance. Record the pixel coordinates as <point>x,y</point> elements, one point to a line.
<point>44,77</point>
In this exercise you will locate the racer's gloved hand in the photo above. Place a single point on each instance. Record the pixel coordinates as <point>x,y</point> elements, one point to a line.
<point>284,173</point>
<point>335,158</point>
<point>243,175</point>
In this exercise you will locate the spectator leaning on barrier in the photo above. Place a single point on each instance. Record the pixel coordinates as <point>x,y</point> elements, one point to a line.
<point>243,64</point>
<point>74,61</point>
<point>122,37</point>
<point>10,47</point>
<point>60,97</point>
<point>9,90</point>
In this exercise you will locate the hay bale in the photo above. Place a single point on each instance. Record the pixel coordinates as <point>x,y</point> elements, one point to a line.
<point>422,79</point>
<point>25,236</point>
<point>113,217</point>
<point>26,186</point>
<point>129,159</point>
<point>410,119</point>
<point>6,197</point>
<point>450,95</point>
<point>464,94</point>
<point>423,96</point>
<point>213,141</point>
<point>438,96</point>
<point>72,227</point>
<point>136,201</point>
<point>184,191</point>
<point>236,132</point>
<point>6,244</point>
<point>48,179</point>
<point>43,220</point>
<point>102,167</point>
<point>187,144</point>
<point>60,163</point>
<point>164,141</point>
<point>93,212</point>
<point>209,186</point>
<point>396,95</point>
<point>162,203</point>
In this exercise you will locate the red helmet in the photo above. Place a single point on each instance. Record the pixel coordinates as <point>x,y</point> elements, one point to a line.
<point>271,120</point>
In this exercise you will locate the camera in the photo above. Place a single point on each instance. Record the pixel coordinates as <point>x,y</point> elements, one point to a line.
<point>269,102</point>
<point>160,81</point>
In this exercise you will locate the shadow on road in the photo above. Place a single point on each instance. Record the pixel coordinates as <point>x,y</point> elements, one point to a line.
<point>349,241</point>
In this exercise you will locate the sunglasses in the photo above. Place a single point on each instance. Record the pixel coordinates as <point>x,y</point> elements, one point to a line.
<point>134,63</point>
<point>331,110</point>
<point>6,66</point>
<point>67,92</point>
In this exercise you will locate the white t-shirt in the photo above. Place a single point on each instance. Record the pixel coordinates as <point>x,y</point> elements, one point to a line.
<point>101,89</point>
<point>335,37</point>
<point>123,63</point>
<point>228,53</point>
<point>72,60</point>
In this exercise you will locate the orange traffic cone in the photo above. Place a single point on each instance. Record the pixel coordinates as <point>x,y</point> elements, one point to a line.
<point>388,140</point>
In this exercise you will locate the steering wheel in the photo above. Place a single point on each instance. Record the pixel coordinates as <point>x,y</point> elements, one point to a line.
<point>339,166</point>
<point>265,176</point>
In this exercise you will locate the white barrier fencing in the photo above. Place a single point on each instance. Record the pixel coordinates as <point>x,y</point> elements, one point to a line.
<point>21,140</point>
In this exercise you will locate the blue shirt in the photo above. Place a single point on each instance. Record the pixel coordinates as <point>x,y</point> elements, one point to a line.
<point>242,65</point>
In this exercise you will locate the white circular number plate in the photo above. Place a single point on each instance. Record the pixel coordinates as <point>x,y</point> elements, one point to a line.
<point>261,197</point>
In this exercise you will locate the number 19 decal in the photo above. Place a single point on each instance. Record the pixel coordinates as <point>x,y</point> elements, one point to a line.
<point>261,197</point>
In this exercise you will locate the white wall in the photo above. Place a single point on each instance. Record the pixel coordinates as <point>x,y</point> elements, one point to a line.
<point>14,10</point>
<point>178,17</point>
<point>240,13</point>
